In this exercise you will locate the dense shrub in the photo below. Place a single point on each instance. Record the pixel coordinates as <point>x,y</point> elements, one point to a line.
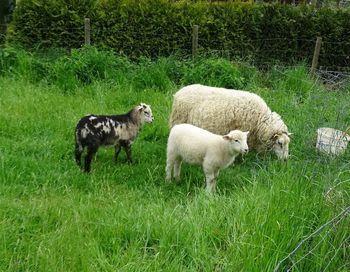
<point>42,23</point>
<point>162,27</point>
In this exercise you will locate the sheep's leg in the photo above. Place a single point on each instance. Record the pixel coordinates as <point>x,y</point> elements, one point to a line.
<point>177,168</point>
<point>117,149</point>
<point>169,167</point>
<point>78,151</point>
<point>172,166</point>
<point>90,154</point>
<point>127,147</point>
<point>210,175</point>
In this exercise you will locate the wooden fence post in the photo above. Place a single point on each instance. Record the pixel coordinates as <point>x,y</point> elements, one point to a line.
<point>316,55</point>
<point>195,40</point>
<point>87,31</point>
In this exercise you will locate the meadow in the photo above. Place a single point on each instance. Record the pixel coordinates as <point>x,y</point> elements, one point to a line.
<point>125,217</point>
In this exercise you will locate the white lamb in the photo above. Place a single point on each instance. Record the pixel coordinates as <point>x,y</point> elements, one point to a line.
<point>199,146</point>
<point>221,110</point>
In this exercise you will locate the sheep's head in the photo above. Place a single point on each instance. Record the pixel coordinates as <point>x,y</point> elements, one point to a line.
<point>281,145</point>
<point>238,140</point>
<point>146,113</point>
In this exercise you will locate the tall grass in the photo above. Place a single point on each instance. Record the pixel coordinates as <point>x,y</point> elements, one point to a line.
<point>125,217</point>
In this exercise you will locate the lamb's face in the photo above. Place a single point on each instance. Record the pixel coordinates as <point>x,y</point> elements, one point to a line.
<point>238,141</point>
<point>147,113</point>
<point>281,145</point>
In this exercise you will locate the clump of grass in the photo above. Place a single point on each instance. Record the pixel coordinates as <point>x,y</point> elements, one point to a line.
<point>23,64</point>
<point>297,81</point>
<point>218,72</point>
<point>85,66</point>
<point>156,75</point>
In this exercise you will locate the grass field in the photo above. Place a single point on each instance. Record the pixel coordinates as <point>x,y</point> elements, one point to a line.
<point>125,217</point>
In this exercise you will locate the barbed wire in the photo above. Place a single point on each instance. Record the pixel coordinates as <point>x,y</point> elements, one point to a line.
<point>335,254</point>
<point>333,79</point>
<point>337,219</point>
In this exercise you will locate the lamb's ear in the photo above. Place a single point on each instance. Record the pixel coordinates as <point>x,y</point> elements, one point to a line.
<point>289,133</point>
<point>227,138</point>
<point>140,108</point>
<point>275,136</point>
<point>347,137</point>
<point>246,133</point>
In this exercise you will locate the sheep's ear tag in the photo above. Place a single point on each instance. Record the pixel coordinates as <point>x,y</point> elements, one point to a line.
<point>226,137</point>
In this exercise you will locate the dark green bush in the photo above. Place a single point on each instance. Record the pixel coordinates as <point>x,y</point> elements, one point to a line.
<point>153,28</point>
<point>42,23</point>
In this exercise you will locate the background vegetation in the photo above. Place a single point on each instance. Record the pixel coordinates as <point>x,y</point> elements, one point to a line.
<point>258,32</point>
<point>125,217</point>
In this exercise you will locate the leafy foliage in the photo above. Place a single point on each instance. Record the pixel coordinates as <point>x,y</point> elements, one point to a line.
<point>155,28</point>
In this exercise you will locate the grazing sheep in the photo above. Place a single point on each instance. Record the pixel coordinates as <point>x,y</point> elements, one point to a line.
<point>220,110</point>
<point>92,131</point>
<point>199,146</point>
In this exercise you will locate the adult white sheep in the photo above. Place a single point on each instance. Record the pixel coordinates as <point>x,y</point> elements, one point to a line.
<point>199,146</point>
<point>221,110</point>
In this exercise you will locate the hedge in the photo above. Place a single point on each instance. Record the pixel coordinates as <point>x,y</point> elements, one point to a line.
<point>153,28</point>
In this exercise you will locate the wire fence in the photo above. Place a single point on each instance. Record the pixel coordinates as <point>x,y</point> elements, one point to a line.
<point>319,236</point>
<point>288,50</point>
<point>261,50</point>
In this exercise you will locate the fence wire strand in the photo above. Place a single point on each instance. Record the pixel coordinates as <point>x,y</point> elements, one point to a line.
<point>336,220</point>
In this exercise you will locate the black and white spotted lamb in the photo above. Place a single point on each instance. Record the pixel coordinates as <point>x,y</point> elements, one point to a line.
<point>93,131</point>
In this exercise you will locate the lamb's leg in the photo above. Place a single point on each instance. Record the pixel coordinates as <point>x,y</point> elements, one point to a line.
<point>169,167</point>
<point>177,168</point>
<point>127,147</point>
<point>210,175</point>
<point>78,151</point>
<point>117,149</point>
<point>91,151</point>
